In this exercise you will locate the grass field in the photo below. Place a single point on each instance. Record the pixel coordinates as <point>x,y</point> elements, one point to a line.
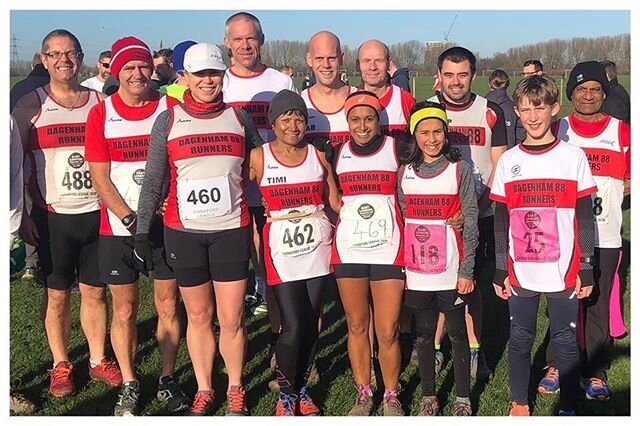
<point>30,357</point>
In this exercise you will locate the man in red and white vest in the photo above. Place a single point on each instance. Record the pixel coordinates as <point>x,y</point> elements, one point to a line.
<point>118,133</point>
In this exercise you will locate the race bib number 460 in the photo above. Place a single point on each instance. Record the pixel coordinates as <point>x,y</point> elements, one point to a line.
<point>535,235</point>
<point>204,198</point>
<point>368,223</point>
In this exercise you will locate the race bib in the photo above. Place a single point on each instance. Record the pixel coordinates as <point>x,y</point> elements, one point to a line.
<point>299,236</point>
<point>204,198</point>
<point>535,235</point>
<point>602,201</point>
<point>425,248</point>
<point>368,222</point>
<point>72,177</point>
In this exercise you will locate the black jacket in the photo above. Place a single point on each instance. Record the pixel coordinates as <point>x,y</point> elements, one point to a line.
<point>617,102</point>
<point>400,78</point>
<point>515,131</point>
<point>38,77</point>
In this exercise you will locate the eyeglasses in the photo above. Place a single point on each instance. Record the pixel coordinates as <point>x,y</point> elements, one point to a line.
<point>105,64</point>
<point>71,54</point>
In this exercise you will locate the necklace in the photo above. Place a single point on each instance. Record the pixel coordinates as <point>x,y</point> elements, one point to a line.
<point>69,108</point>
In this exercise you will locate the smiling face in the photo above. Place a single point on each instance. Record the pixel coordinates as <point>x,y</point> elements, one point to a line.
<point>456,81</point>
<point>205,85</point>
<point>430,136</point>
<point>325,58</point>
<point>289,127</point>
<point>244,41</point>
<point>103,68</point>
<point>364,124</point>
<point>536,119</point>
<point>134,78</point>
<point>587,99</point>
<point>373,63</point>
<point>64,68</point>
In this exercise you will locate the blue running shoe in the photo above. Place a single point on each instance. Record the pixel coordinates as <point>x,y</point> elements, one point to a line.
<point>550,383</point>
<point>596,389</point>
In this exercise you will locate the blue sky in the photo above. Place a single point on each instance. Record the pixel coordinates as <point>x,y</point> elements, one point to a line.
<point>484,31</point>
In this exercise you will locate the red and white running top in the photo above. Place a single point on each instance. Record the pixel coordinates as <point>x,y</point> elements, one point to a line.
<point>119,134</point>
<point>540,190</point>
<point>396,111</point>
<point>206,159</point>
<point>298,248</point>
<point>370,227</point>
<point>606,144</point>
<point>432,250</point>
<point>330,125</point>
<point>60,180</point>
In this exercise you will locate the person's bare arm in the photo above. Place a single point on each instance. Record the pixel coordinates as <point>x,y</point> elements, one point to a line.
<point>484,202</point>
<point>332,195</point>
<point>107,191</point>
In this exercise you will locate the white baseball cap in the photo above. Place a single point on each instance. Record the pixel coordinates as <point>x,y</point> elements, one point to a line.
<point>203,56</point>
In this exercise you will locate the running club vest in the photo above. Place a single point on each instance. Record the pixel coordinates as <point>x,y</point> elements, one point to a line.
<point>60,179</point>
<point>298,248</point>
<point>540,190</point>
<point>606,158</point>
<point>369,229</point>
<point>392,118</point>
<point>128,143</point>
<point>470,131</point>
<point>206,157</point>
<point>432,250</point>
<point>329,125</point>
<point>254,95</point>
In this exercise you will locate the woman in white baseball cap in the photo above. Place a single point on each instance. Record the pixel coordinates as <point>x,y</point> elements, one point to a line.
<point>200,147</point>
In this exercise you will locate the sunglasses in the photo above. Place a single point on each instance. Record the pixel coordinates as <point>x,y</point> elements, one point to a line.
<point>105,64</point>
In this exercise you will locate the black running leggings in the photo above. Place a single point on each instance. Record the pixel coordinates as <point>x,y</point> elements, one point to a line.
<point>563,314</point>
<point>426,320</point>
<point>300,304</point>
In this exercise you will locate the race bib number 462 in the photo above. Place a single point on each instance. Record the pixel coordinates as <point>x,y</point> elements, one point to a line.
<point>204,198</point>
<point>298,237</point>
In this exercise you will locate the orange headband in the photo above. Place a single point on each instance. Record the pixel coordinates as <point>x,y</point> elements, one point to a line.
<point>362,99</point>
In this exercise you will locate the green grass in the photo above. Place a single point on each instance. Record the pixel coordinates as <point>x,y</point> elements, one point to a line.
<point>30,358</point>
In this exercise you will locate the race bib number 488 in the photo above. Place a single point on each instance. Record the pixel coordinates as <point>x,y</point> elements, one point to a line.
<point>72,176</point>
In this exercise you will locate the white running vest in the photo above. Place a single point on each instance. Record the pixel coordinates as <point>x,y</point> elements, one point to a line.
<point>392,117</point>
<point>606,158</point>
<point>128,143</point>
<point>60,178</point>
<point>432,250</point>
<point>295,249</point>
<point>330,125</point>
<point>470,132</point>
<point>369,229</point>
<point>540,190</point>
<point>206,157</point>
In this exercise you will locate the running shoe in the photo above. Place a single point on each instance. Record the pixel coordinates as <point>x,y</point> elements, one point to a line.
<point>31,276</point>
<point>306,406</point>
<point>169,391</point>
<point>518,410</point>
<point>108,372</point>
<point>567,413</point>
<point>596,389</point>
<point>202,404</point>
<point>461,408</point>
<point>391,405</point>
<point>364,402</point>
<point>429,406</point>
<point>286,405</point>
<point>235,402</point>
<point>62,380</point>
<point>550,383</point>
<point>127,404</point>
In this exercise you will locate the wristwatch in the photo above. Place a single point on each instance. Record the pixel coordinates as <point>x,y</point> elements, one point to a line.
<point>128,219</point>
<point>588,260</point>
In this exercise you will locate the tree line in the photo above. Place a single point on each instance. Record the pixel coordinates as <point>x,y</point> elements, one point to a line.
<point>421,58</point>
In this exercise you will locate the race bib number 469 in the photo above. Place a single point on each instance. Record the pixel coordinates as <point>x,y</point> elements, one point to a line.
<point>369,223</point>
<point>204,198</point>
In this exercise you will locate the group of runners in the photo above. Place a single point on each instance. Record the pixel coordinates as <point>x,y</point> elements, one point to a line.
<point>389,197</point>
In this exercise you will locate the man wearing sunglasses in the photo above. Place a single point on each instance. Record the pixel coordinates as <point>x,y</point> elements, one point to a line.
<point>97,82</point>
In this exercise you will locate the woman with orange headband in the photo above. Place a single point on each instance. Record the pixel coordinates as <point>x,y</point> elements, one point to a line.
<point>367,249</point>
